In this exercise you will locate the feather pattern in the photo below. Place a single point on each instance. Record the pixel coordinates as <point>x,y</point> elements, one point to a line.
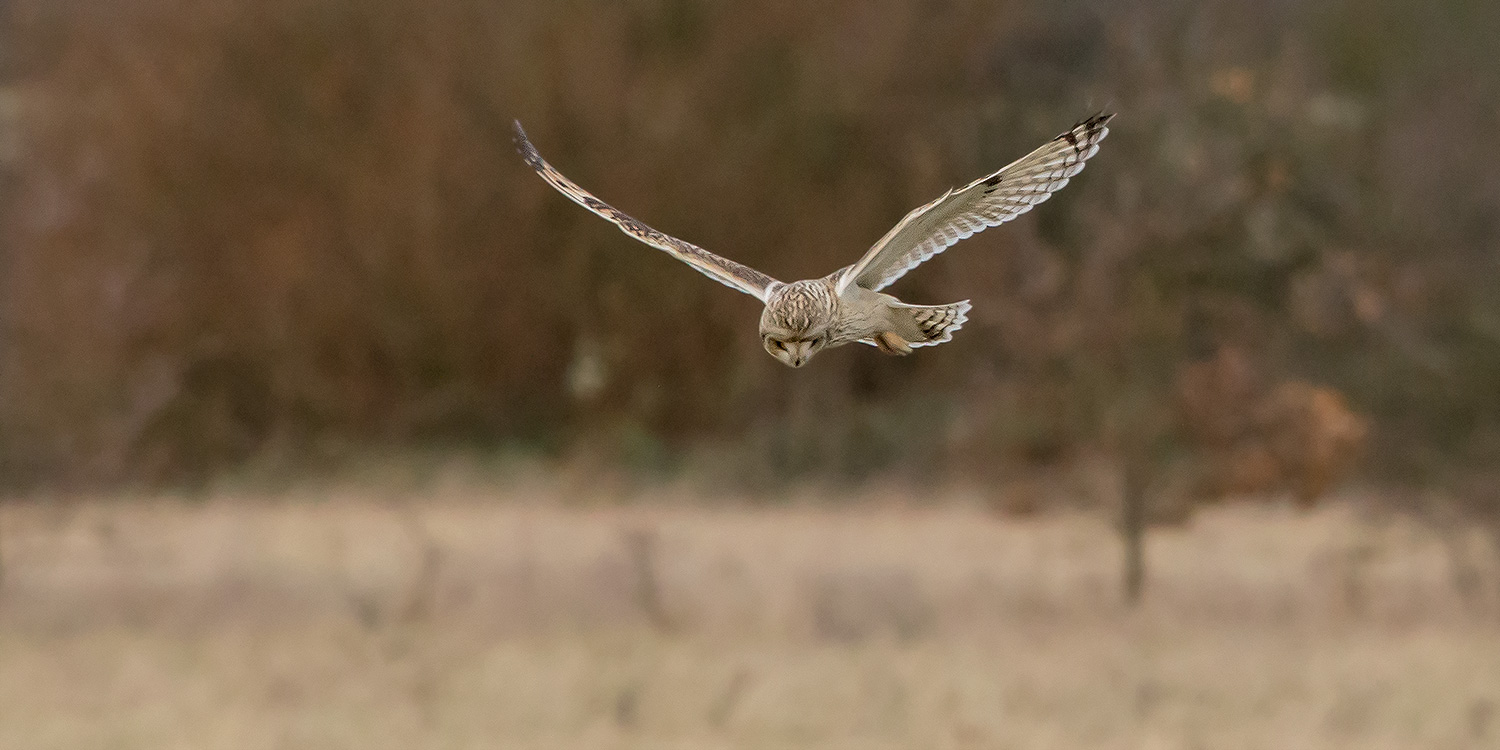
<point>722,270</point>
<point>986,202</point>
<point>938,322</point>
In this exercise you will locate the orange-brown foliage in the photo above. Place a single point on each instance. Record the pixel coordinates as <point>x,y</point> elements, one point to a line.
<point>1256,437</point>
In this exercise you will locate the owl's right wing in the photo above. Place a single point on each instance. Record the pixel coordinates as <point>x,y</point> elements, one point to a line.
<point>722,270</point>
<point>986,202</point>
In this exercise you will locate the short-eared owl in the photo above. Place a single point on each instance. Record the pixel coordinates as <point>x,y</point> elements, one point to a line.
<point>805,317</point>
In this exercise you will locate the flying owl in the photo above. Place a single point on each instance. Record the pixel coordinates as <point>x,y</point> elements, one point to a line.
<point>805,317</point>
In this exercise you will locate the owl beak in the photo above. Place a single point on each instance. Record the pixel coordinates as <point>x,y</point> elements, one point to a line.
<point>798,353</point>
<point>791,353</point>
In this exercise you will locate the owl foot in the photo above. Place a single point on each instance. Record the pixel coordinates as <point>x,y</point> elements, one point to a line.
<point>892,344</point>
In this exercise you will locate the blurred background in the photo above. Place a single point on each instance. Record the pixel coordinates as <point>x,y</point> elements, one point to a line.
<point>325,423</point>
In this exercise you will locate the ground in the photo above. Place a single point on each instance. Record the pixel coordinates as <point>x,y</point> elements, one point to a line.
<point>484,618</point>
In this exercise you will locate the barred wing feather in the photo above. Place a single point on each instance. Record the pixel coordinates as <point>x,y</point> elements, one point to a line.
<point>986,202</point>
<point>722,270</point>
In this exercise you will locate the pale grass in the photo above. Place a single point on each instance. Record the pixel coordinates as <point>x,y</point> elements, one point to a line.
<point>472,618</point>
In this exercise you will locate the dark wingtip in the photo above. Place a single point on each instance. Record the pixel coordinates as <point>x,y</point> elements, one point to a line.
<point>1095,120</point>
<point>1088,125</point>
<point>519,138</point>
<point>524,148</point>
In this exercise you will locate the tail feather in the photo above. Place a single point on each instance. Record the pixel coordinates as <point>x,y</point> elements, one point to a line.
<point>937,322</point>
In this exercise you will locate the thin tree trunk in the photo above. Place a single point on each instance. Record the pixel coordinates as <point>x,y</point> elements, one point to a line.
<point>1133,527</point>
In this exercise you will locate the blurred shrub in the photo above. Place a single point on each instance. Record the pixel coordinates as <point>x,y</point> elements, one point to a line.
<point>250,228</point>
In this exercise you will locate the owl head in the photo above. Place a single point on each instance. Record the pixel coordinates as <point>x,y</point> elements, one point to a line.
<point>796,321</point>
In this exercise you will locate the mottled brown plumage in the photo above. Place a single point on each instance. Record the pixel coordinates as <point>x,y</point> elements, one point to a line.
<point>805,317</point>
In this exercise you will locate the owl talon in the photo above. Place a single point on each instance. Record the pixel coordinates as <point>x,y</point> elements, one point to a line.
<point>892,344</point>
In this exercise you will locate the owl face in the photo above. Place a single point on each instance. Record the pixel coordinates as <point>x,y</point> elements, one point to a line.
<point>795,323</point>
<point>793,352</point>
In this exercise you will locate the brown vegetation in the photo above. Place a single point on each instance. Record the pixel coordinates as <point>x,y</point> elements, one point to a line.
<point>280,232</point>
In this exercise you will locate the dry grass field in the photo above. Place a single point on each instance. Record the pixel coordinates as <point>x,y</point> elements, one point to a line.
<point>480,618</point>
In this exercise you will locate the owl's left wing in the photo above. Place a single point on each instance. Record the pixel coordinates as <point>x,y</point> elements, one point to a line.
<point>986,202</point>
<point>722,270</point>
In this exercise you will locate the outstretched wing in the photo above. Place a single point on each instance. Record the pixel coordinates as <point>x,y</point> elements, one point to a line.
<point>722,270</point>
<point>986,202</point>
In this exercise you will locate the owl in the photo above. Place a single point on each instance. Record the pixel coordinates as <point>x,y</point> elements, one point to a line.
<point>805,317</point>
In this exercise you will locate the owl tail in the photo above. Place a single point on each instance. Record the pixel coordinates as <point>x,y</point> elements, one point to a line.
<point>929,325</point>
